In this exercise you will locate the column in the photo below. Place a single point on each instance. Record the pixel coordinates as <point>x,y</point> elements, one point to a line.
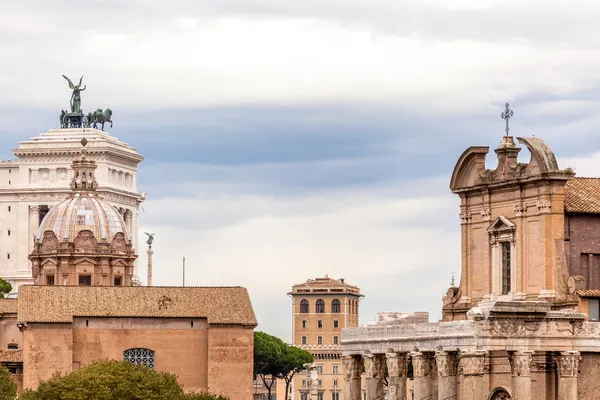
<point>422,373</point>
<point>520,368</point>
<point>150,252</point>
<point>473,385</point>
<point>128,221</point>
<point>568,366</point>
<point>447,370</point>
<point>352,368</point>
<point>374,375</point>
<point>34,224</point>
<point>397,365</point>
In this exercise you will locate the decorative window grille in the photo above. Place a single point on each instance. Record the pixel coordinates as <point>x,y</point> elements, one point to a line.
<point>304,309</point>
<point>505,267</point>
<point>140,356</point>
<point>336,306</point>
<point>320,306</point>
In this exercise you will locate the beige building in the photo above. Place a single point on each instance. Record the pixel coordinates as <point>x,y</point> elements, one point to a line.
<point>321,308</point>
<point>39,178</point>
<point>522,324</point>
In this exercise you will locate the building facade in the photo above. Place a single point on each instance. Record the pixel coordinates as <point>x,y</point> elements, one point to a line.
<point>521,323</point>
<point>39,178</point>
<point>321,308</point>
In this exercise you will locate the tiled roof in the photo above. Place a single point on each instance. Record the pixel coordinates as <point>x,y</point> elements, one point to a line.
<point>220,305</point>
<point>11,355</point>
<point>588,293</point>
<point>8,306</point>
<point>583,195</point>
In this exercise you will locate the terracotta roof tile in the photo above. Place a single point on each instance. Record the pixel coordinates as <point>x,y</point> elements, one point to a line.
<point>8,306</point>
<point>583,195</point>
<point>11,355</point>
<point>588,293</point>
<point>220,305</point>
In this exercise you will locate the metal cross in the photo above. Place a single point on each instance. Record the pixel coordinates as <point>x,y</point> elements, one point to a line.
<point>506,115</point>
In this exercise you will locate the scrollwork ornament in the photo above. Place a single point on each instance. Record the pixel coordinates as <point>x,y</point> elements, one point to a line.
<point>472,363</point>
<point>520,362</point>
<point>568,363</point>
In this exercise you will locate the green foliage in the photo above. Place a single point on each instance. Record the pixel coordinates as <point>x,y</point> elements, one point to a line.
<point>275,359</point>
<point>8,389</point>
<point>5,287</point>
<point>109,380</point>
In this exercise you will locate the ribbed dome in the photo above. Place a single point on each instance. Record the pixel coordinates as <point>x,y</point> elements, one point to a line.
<point>83,211</point>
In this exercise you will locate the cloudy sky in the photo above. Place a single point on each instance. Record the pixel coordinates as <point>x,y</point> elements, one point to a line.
<point>286,140</point>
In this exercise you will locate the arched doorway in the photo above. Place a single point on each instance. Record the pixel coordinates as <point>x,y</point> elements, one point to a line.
<point>499,393</point>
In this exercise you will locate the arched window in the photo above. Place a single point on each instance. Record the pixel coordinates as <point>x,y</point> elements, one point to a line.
<point>320,306</point>
<point>140,356</point>
<point>304,308</point>
<point>336,307</point>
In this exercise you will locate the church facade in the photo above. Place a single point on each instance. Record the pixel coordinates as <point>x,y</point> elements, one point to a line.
<point>522,324</point>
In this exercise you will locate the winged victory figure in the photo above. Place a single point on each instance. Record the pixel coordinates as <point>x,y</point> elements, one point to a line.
<point>76,96</point>
<point>150,238</point>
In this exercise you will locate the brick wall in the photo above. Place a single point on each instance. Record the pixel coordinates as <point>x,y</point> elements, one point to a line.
<point>583,248</point>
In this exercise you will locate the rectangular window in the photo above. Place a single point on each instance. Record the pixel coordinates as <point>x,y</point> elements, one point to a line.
<point>505,267</point>
<point>8,232</point>
<point>13,346</point>
<point>319,324</point>
<point>117,281</point>
<point>336,323</point>
<point>50,280</point>
<point>319,339</point>
<point>85,280</point>
<point>320,396</point>
<point>336,340</point>
<point>304,324</point>
<point>304,340</point>
<point>336,370</point>
<point>594,309</point>
<point>335,395</point>
<point>319,369</point>
<point>8,256</point>
<point>9,208</point>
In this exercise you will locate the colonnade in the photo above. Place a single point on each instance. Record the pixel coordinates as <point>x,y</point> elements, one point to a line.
<point>436,375</point>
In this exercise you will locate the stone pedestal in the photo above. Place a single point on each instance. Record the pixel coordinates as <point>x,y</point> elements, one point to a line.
<point>422,372</point>
<point>520,367</point>
<point>473,384</point>
<point>447,370</point>
<point>352,366</point>
<point>34,224</point>
<point>374,375</point>
<point>568,365</point>
<point>397,365</point>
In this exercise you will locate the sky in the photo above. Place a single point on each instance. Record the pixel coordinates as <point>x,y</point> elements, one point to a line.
<point>287,140</point>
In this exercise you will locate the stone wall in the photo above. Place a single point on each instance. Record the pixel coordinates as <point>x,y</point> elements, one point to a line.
<point>9,332</point>
<point>180,345</point>
<point>47,348</point>
<point>230,361</point>
<point>588,384</point>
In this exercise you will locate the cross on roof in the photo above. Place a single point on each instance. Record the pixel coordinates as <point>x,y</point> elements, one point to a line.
<point>506,115</point>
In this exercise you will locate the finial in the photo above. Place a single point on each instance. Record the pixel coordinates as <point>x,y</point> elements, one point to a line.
<point>452,281</point>
<point>506,115</point>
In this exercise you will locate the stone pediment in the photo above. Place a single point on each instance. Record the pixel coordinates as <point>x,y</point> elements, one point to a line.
<point>501,224</point>
<point>79,260</point>
<point>49,260</point>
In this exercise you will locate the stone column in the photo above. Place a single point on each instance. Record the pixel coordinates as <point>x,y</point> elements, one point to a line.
<point>397,365</point>
<point>520,368</point>
<point>352,368</point>
<point>34,224</point>
<point>150,252</point>
<point>568,365</point>
<point>374,375</point>
<point>447,370</point>
<point>127,215</point>
<point>472,363</point>
<point>422,373</point>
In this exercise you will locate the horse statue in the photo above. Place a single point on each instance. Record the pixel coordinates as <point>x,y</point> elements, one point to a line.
<point>100,117</point>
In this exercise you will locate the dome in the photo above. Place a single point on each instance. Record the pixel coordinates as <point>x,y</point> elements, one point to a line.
<point>83,211</point>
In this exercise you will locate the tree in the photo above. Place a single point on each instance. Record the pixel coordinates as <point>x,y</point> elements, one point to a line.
<point>8,389</point>
<point>113,380</point>
<point>275,359</point>
<point>5,287</point>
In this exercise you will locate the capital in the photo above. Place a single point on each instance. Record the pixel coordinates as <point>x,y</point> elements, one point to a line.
<point>397,364</point>
<point>447,363</point>
<point>422,364</point>
<point>352,366</point>
<point>568,363</point>
<point>374,365</point>
<point>520,362</point>
<point>473,362</point>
